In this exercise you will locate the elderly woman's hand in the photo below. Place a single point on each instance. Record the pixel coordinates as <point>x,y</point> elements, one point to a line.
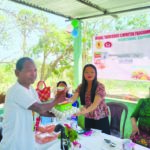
<point>135,130</point>
<point>61,95</point>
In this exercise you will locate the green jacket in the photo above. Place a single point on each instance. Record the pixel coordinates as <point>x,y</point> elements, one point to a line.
<point>142,112</point>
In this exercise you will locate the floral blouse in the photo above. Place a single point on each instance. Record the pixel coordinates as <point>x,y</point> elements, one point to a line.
<point>102,110</point>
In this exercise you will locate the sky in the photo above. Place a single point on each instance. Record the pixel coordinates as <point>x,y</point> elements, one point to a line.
<point>11,50</point>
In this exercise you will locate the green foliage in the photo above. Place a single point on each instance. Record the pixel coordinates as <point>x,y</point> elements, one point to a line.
<point>122,88</point>
<point>71,134</point>
<point>3,33</point>
<point>56,49</point>
<point>53,49</point>
<point>140,22</point>
<point>54,41</point>
<point>2,18</point>
<point>28,21</point>
<point>7,76</point>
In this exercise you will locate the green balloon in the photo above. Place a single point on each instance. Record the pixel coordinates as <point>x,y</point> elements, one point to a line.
<point>75,23</point>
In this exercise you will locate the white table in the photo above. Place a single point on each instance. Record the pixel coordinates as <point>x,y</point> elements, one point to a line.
<point>93,142</point>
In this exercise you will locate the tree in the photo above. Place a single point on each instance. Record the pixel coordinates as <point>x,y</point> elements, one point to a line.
<point>89,29</point>
<point>28,22</point>
<point>55,50</point>
<point>52,41</point>
<point>4,34</point>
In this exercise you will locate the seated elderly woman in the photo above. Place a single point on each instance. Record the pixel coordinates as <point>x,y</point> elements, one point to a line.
<point>140,120</point>
<point>68,95</point>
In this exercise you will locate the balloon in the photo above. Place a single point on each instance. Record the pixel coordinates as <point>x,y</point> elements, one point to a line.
<point>75,23</point>
<point>74,33</point>
<point>69,28</point>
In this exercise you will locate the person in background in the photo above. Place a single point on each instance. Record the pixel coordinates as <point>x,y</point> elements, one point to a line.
<point>68,95</point>
<point>21,100</point>
<point>92,94</point>
<point>140,120</point>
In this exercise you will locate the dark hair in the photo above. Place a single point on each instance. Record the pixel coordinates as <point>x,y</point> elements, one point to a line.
<point>67,94</point>
<point>61,82</point>
<point>20,63</point>
<point>84,85</point>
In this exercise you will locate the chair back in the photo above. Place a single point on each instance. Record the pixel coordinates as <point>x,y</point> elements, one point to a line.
<point>116,110</point>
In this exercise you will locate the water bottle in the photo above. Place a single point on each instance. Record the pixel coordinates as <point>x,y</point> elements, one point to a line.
<point>128,144</point>
<point>74,122</point>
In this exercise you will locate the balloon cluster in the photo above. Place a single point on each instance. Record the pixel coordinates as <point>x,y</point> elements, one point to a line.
<point>73,28</point>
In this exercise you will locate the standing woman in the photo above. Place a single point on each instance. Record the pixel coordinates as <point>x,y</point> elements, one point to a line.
<point>92,95</point>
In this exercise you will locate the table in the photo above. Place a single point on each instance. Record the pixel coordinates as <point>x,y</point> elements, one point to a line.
<point>93,142</point>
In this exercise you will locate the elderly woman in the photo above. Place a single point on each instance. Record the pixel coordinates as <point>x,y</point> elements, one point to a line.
<point>68,95</point>
<point>141,116</point>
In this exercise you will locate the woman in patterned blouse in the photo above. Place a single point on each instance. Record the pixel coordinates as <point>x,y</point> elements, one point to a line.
<point>141,132</point>
<point>92,95</point>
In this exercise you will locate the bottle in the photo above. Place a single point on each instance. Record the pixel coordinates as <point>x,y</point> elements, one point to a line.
<point>74,122</point>
<point>128,144</point>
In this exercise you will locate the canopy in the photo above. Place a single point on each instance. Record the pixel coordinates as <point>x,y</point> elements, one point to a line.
<point>84,9</point>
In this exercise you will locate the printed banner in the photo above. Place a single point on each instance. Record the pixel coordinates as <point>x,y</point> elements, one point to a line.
<point>123,56</point>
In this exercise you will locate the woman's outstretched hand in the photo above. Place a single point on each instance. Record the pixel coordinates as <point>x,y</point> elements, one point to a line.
<point>82,111</point>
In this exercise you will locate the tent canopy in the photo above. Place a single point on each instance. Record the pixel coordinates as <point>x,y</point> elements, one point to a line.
<point>84,9</point>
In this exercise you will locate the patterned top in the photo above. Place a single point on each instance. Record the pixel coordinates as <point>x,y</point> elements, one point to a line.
<point>142,112</point>
<point>101,111</point>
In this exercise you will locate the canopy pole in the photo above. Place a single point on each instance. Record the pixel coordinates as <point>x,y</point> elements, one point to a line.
<point>78,66</point>
<point>77,57</point>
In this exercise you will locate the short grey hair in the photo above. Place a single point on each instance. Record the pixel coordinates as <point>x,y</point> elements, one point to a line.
<point>20,63</point>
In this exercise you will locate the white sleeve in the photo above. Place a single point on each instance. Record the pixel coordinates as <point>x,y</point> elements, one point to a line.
<point>36,95</point>
<point>25,98</point>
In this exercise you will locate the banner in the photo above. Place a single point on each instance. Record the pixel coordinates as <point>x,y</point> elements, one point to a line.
<point>123,55</point>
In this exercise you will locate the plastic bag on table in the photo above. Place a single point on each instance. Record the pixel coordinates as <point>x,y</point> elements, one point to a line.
<point>46,128</point>
<point>43,138</point>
